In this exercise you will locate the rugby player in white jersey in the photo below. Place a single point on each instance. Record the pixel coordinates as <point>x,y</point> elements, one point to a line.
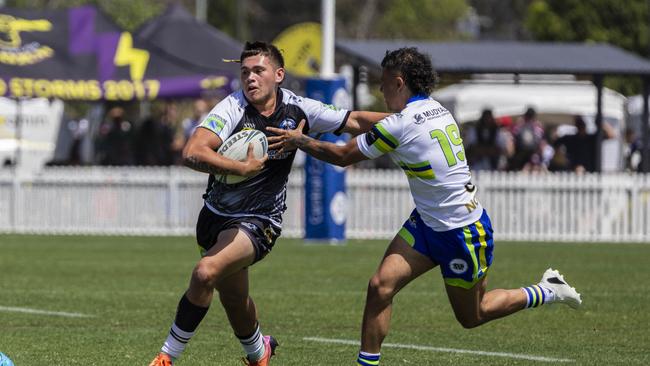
<point>239,223</point>
<point>448,227</point>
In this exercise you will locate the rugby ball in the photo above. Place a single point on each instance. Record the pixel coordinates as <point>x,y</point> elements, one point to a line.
<point>236,147</point>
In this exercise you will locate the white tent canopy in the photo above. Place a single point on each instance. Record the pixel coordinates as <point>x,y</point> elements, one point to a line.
<point>39,120</point>
<point>559,100</point>
<point>556,102</point>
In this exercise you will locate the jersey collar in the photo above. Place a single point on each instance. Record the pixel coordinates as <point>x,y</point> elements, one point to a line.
<point>417,97</point>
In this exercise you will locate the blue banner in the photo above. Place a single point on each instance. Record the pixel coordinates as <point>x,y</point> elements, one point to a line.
<point>326,201</point>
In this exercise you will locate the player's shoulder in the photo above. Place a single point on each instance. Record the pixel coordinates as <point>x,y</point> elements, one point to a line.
<point>234,101</point>
<point>289,97</point>
<point>229,110</point>
<point>424,110</point>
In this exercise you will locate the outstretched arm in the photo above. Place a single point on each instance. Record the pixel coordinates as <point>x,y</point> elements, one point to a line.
<point>341,155</point>
<point>362,121</point>
<point>200,154</point>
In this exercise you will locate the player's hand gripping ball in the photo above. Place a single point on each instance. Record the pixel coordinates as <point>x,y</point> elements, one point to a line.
<point>236,147</point>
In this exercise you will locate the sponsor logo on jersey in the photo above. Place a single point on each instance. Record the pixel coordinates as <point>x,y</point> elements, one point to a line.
<point>288,124</point>
<point>472,204</point>
<point>274,155</point>
<point>331,106</point>
<point>268,234</point>
<point>436,112</point>
<point>458,266</point>
<point>419,119</point>
<point>248,125</point>
<point>214,122</point>
<point>413,221</point>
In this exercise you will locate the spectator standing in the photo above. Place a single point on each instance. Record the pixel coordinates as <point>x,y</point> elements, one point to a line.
<point>153,143</point>
<point>489,147</point>
<point>580,147</point>
<point>528,134</point>
<point>632,151</point>
<point>114,144</point>
<point>199,112</point>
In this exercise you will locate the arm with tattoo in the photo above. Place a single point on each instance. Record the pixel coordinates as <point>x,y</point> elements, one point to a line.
<point>199,154</point>
<point>195,163</point>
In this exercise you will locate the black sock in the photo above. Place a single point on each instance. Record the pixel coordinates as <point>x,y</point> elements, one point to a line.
<point>188,315</point>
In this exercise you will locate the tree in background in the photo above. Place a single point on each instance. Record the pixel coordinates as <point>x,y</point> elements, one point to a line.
<point>421,19</point>
<point>264,20</point>
<point>502,19</point>
<point>128,14</point>
<point>620,23</point>
<point>412,19</point>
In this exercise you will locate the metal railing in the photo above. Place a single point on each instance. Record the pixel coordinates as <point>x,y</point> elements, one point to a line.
<point>166,201</point>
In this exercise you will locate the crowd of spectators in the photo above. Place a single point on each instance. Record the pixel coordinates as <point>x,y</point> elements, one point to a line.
<point>528,144</point>
<point>502,144</point>
<point>156,140</point>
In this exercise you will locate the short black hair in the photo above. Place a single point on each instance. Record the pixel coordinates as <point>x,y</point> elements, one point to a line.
<point>579,122</point>
<point>262,48</point>
<point>414,67</point>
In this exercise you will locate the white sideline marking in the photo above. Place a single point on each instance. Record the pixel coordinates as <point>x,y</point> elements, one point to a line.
<point>43,312</point>
<point>442,349</point>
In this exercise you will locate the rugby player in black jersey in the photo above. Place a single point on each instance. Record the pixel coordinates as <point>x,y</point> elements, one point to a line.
<point>240,222</point>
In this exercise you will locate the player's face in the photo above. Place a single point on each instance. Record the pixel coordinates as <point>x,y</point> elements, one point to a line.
<point>392,87</point>
<point>260,78</point>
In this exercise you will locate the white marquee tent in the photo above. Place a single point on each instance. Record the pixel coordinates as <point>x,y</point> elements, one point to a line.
<point>555,101</point>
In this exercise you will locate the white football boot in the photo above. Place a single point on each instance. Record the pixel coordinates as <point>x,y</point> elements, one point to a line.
<point>561,291</point>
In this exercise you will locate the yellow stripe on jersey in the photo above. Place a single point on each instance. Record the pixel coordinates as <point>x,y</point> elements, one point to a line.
<point>384,141</point>
<point>390,140</point>
<point>382,146</point>
<point>420,170</point>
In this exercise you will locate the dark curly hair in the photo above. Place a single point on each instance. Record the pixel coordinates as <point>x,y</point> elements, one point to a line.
<point>262,48</point>
<point>414,67</point>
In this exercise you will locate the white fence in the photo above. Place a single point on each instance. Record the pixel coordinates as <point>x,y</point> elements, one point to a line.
<point>162,201</point>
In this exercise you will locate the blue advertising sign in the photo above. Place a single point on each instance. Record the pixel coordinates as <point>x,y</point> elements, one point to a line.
<point>325,198</point>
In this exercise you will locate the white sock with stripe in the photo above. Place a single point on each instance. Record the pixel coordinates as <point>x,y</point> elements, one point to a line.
<point>537,295</point>
<point>253,345</point>
<point>176,341</point>
<point>368,359</point>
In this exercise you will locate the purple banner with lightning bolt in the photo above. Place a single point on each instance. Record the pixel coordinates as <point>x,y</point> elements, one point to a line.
<point>79,54</point>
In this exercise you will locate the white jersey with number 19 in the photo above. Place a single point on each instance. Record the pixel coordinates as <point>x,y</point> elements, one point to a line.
<point>424,140</point>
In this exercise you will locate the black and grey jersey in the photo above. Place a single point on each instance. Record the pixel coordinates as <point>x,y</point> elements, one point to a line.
<point>264,195</point>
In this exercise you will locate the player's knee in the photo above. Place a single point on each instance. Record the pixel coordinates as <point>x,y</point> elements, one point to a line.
<point>204,275</point>
<point>379,289</point>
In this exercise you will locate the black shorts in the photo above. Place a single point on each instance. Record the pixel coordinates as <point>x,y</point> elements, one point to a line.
<point>260,231</point>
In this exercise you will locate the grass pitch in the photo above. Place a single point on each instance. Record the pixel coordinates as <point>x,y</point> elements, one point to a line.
<point>129,287</point>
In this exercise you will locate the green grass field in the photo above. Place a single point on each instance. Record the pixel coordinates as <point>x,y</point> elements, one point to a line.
<point>130,287</point>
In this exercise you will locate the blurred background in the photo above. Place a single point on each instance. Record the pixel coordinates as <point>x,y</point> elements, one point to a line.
<point>97,216</point>
<point>99,98</point>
